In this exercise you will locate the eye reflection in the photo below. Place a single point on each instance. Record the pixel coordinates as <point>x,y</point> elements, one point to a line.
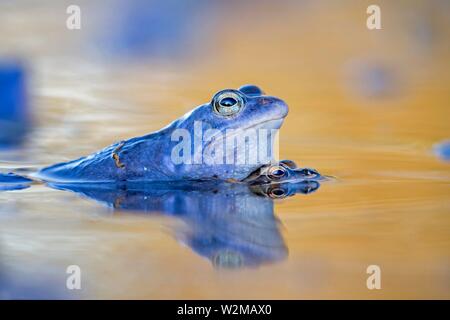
<point>227,102</point>
<point>277,193</point>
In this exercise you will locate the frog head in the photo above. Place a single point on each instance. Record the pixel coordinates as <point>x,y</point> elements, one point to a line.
<point>227,138</point>
<point>283,179</point>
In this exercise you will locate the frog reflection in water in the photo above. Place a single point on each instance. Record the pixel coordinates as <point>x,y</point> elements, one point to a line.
<point>231,224</point>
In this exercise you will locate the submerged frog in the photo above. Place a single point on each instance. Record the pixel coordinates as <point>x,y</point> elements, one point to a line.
<point>283,179</point>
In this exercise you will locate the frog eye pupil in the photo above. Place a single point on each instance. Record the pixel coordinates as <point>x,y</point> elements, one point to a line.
<point>228,102</point>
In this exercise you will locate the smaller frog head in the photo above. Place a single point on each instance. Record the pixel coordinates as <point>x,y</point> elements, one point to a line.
<point>283,179</point>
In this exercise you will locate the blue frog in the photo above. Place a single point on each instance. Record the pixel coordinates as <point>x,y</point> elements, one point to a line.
<point>228,207</point>
<point>152,157</point>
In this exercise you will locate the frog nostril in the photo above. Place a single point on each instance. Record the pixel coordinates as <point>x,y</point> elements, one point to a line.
<point>309,173</point>
<point>265,101</point>
<point>228,102</point>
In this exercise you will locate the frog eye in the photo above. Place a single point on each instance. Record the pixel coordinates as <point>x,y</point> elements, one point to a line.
<point>276,193</point>
<point>276,172</point>
<point>228,102</point>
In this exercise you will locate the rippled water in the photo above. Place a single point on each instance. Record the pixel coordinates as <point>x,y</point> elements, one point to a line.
<point>389,204</point>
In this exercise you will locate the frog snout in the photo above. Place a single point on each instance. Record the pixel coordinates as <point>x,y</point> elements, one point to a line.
<point>278,107</point>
